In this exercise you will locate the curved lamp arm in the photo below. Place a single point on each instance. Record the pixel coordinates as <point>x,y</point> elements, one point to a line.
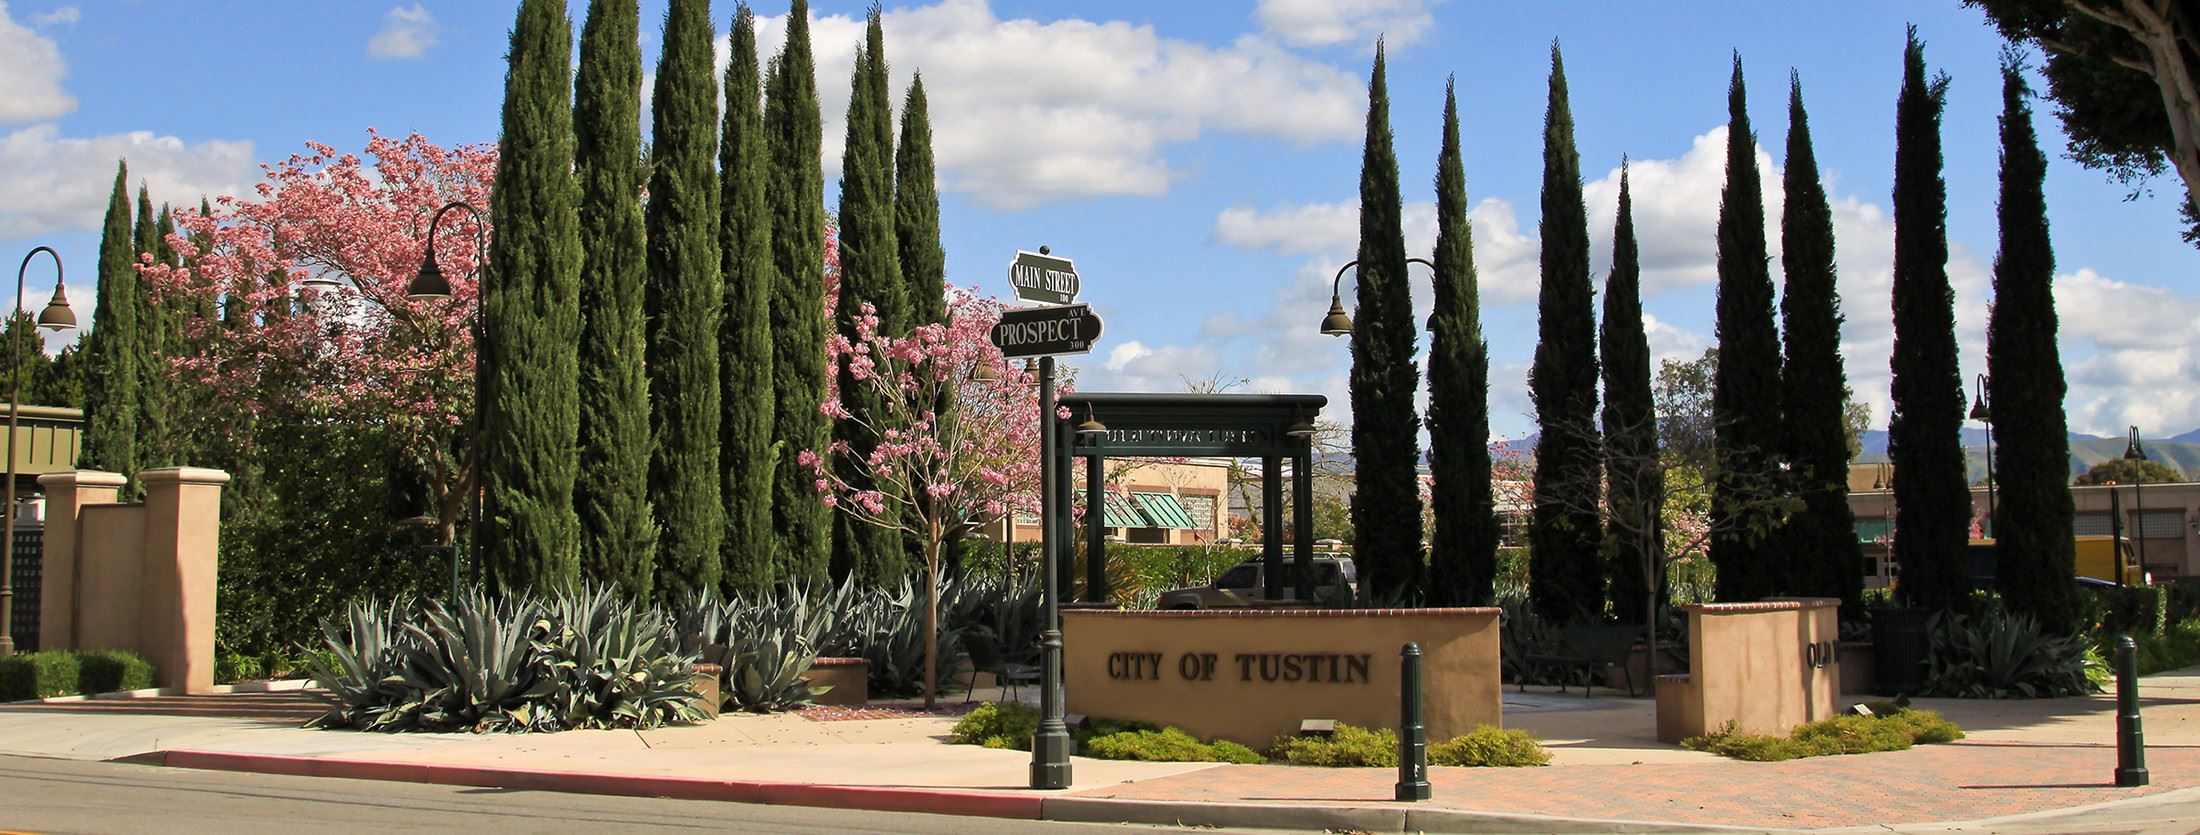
<point>430,282</point>
<point>1337,322</point>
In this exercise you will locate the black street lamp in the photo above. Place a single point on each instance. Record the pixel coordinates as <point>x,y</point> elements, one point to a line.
<point>57,316</point>
<point>1338,322</point>
<point>2137,454</point>
<point>1983,413</point>
<point>429,285</point>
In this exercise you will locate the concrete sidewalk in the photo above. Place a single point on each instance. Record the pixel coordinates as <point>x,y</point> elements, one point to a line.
<point>2022,759</point>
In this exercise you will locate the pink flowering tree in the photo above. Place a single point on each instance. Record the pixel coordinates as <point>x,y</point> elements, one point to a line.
<point>308,274</point>
<point>932,472</point>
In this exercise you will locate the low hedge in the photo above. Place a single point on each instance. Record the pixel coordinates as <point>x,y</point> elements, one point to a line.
<point>1012,725</point>
<point>1168,745</point>
<point>1889,729</point>
<point>1356,747</point>
<point>44,675</point>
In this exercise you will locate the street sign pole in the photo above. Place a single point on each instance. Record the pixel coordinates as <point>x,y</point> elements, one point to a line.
<point>1050,746</point>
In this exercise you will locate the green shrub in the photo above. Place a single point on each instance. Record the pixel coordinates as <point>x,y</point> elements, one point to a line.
<point>1889,729</point>
<point>110,670</point>
<point>1167,745</point>
<point>233,667</point>
<point>44,675</point>
<point>1997,655</point>
<point>1486,746</point>
<point>38,675</point>
<point>2176,648</point>
<point>998,725</point>
<point>1350,747</point>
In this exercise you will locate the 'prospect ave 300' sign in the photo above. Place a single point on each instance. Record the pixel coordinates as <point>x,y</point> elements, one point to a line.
<point>1046,331</point>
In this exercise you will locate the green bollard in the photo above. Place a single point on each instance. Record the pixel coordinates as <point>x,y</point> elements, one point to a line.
<point>2131,741</point>
<point>1412,735</point>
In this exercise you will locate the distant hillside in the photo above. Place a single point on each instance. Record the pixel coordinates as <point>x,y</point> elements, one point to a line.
<point>2181,452</point>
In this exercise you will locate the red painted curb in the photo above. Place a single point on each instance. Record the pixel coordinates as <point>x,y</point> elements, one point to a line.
<point>870,798</point>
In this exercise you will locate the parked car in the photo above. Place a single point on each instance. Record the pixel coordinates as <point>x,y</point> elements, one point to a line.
<point>1243,585</point>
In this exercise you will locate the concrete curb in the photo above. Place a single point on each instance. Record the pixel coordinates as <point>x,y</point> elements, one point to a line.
<point>280,686</point>
<point>871,798</point>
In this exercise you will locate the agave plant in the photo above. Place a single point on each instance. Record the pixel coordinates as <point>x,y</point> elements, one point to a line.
<point>615,663</point>
<point>361,674</point>
<point>1997,655</point>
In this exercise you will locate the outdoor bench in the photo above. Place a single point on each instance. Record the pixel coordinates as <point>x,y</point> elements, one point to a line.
<point>1591,649</point>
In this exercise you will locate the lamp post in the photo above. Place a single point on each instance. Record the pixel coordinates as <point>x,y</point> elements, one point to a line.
<point>57,316</point>
<point>1981,412</point>
<point>428,285</point>
<point>2135,453</point>
<point>1338,322</point>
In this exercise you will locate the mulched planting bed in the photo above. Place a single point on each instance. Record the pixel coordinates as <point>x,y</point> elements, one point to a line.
<point>884,710</point>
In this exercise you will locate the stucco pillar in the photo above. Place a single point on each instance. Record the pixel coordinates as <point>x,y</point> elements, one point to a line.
<point>182,538</point>
<point>67,493</point>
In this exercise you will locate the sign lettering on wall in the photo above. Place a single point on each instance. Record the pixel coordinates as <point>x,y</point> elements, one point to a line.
<point>1248,667</point>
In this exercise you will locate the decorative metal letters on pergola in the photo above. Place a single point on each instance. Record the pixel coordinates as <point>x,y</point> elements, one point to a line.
<point>1185,426</point>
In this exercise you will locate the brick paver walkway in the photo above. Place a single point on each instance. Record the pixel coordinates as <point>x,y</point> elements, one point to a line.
<point>1959,781</point>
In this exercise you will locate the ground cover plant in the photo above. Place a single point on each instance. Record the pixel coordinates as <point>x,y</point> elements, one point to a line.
<point>1011,725</point>
<point>1353,746</point>
<point>1889,728</point>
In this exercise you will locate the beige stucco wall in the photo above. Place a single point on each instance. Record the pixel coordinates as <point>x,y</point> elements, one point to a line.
<point>1751,664</point>
<point>141,576</point>
<point>1227,694</point>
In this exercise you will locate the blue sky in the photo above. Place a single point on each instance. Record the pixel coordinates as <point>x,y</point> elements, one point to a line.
<point>1200,161</point>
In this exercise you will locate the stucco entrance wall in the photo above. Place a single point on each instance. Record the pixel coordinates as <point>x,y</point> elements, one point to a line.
<point>1767,667</point>
<point>1251,676</point>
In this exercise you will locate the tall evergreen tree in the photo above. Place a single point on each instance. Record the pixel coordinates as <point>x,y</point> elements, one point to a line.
<point>1932,499</point>
<point>870,272</point>
<point>917,211</point>
<point>796,196</point>
<point>1565,580</point>
<point>618,529</point>
<point>111,387</point>
<point>745,451</point>
<point>154,416</point>
<point>1462,564</point>
<point>528,356</point>
<point>1745,417</point>
<point>2033,516</point>
<point>685,298</point>
<point>1822,537</point>
<point>1386,513</point>
<point>1635,491</point>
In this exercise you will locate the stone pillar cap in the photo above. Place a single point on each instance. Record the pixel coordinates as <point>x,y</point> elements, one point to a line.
<point>184,475</point>
<point>83,478</point>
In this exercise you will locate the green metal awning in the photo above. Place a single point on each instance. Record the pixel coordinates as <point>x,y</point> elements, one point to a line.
<point>1164,510</point>
<point>1123,514</point>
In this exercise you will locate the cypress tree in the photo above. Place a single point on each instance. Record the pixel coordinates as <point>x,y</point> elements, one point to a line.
<point>151,345</point>
<point>618,530</point>
<point>110,390</point>
<point>1745,415</point>
<point>870,271</point>
<point>795,192</point>
<point>1565,581</point>
<point>1386,513</point>
<point>1822,537</point>
<point>2032,524</point>
<point>917,211</point>
<point>1932,500</point>
<point>685,297</point>
<point>528,356</point>
<point>745,451</point>
<point>1462,563</point>
<point>1635,491</point>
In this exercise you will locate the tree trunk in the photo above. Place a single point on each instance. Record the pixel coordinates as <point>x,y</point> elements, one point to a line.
<point>931,620</point>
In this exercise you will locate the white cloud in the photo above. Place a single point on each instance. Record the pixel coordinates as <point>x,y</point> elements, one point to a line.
<point>32,67</point>
<point>1332,22</point>
<point>49,182</point>
<point>407,31</point>
<point>1676,208</point>
<point>64,16</point>
<point>2128,352</point>
<point>1026,113</point>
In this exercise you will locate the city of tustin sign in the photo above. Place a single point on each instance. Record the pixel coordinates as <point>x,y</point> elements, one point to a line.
<point>1047,331</point>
